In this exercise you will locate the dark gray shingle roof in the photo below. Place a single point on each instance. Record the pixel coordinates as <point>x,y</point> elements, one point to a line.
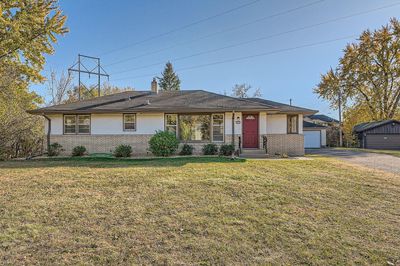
<point>370,125</point>
<point>164,101</point>
<point>285,107</point>
<point>324,118</point>
<point>311,125</point>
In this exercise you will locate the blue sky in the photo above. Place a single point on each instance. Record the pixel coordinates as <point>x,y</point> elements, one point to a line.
<point>110,29</point>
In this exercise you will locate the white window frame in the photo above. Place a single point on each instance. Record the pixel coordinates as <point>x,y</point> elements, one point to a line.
<point>134,123</point>
<point>223,127</point>
<point>77,124</point>
<point>170,125</point>
<point>289,123</point>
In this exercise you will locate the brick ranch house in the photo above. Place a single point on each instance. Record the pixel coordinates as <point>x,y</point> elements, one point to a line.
<point>195,116</point>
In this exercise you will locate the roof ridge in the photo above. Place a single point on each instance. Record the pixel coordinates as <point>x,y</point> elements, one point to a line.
<point>240,99</point>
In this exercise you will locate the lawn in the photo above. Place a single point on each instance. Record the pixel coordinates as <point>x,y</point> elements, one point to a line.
<point>197,211</point>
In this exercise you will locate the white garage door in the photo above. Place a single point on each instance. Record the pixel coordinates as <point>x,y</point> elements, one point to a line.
<point>312,139</point>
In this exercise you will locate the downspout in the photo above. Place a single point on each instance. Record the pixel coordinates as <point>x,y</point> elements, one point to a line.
<point>48,131</point>
<point>233,128</point>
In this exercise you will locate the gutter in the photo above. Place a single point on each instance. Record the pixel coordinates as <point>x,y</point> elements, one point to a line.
<point>48,131</point>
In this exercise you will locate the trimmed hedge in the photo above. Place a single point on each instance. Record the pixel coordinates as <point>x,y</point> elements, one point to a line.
<point>78,151</point>
<point>163,143</point>
<point>226,149</point>
<point>187,150</point>
<point>123,151</point>
<point>210,149</point>
<point>54,149</point>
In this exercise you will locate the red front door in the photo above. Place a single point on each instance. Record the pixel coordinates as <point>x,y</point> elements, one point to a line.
<point>250,131</point>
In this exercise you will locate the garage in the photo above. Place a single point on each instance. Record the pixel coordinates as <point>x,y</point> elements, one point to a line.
<point>384,135</point>
<point>314,135</point>
<point>312,139</point>
<point>383,141</point>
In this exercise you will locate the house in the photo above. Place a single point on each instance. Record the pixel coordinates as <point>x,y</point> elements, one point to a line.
<point>314,135</point>
<point>328,131</point>
<point>321,119</point>
<point>379,135</point>
<point>132,117</point>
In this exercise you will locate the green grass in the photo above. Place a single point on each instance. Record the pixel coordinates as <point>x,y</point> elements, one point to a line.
<point>389,152</point>
<point>197,211</point>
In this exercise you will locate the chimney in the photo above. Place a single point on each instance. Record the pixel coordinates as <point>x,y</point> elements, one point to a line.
<point>154,87</point>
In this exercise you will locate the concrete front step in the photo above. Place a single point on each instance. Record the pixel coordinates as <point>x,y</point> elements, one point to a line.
<point>253,153</point>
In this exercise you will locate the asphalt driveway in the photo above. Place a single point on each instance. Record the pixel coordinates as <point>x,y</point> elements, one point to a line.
<point>375,161</point>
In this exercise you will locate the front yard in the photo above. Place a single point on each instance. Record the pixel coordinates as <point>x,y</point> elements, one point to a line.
<point>197,211</point>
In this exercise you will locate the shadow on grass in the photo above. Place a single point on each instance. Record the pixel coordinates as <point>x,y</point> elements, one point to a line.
<point>110,162</point>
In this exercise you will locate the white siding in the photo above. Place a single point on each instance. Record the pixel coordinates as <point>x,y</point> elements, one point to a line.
<point>300,127</point>
<point>110,124</point>
<point>238,123</point>
<point>276,124</point>
<point>262,123</point>
<point>323,137</point>
<point>56,124</point>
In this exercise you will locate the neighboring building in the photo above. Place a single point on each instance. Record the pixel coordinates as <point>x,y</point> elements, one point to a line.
<point>314,135</point>
<point>331,125</point>
<point>132,117</point>
<point>322,120</point>
<point>383,135</point>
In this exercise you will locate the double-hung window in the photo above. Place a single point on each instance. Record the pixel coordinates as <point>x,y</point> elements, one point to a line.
<point>171,123</point>
<point>129,122</point>
<point>292,124</point>
<point>218,127</point>
<point>76,124</point>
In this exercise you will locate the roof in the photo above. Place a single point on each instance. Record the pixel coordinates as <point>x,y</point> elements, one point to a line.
<point>370,125</point>
<point>286,108</point>
<point>324,118</point>
<point>309,125</point>
<point>164,101</point>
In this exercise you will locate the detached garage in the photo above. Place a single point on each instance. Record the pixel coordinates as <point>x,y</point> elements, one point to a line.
<point>384,135</point>
<point>314,135</point>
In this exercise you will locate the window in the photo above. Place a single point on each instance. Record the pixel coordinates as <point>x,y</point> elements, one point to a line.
<point>83,124</point>
<point>196,127</point>
<point>171,123</point>
<point>129,122</point>
<point>76,124</point>
<point>218,127</point>
<point>292,124</point>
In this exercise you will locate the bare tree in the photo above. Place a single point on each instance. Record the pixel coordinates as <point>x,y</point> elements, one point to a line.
<point>59,87</point>
<point>242,91</point>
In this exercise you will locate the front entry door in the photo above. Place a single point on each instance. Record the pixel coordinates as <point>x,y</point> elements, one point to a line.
<point>250,131</point>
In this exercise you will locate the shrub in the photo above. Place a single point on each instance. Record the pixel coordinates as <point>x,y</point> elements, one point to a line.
<point>226,149</point>
<point>123,151</point>
<point>78,151</point>
<point>187,150</point>
<point>210,149</point>
<point>163,143</point>
<point>54,149</point>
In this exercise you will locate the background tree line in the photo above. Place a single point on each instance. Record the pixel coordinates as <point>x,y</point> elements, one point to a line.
<point>367,78</point>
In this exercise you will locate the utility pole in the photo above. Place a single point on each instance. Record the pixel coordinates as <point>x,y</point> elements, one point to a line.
<point>340,118</point>
<point>99,73</point>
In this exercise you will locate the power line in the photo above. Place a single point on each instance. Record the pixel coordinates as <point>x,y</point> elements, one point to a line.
<point>184,26</point>
<point>262,38</point>
<point>222,31</point>
<point>249,56</point>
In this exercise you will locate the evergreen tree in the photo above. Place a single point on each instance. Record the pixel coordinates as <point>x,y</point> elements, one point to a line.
<point>169,80</point>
